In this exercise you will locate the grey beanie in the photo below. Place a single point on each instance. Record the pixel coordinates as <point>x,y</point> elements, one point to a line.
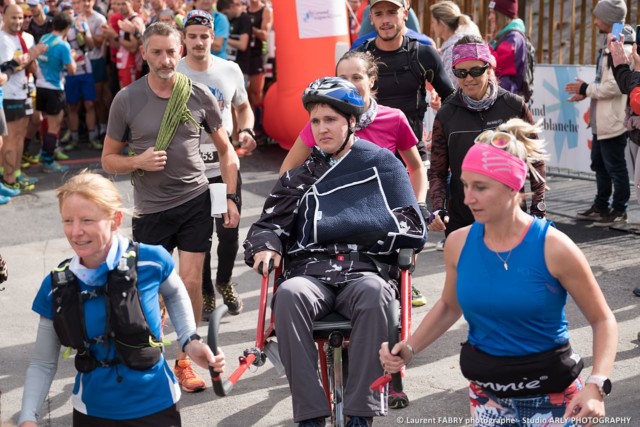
<point>610,11</point>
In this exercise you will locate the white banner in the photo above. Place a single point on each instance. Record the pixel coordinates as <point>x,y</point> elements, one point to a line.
<point>321,18</point>
<point>565,123</point>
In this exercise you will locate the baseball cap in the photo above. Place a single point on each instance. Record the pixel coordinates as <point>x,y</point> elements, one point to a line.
<point>65,6</point>
<point>399,3</point>
<point>33,2</point>
<point>198,17</point>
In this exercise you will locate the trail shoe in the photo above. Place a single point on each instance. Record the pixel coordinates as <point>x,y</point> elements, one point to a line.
<point>397,400</point>
<point>230,297</point>
<point>636,291</point>
<point>440,244</point>
<point>591,214</point>
<point>208,305</point>
<point>359,421</point>
<point>189,381</point>
<point>613,218</point>
<point>417,299</point>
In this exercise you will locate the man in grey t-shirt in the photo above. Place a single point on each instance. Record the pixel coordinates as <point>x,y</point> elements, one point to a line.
<point>171,193</point>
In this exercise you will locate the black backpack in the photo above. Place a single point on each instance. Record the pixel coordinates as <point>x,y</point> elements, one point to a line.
<point>530,65</point>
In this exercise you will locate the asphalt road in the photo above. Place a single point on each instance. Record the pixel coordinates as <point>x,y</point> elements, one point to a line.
<point>32,242</point>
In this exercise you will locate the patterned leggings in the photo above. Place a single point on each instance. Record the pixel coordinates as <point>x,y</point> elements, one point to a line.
<point>544,410</point>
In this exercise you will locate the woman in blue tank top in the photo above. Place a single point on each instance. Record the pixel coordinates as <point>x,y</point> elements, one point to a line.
<point>510,275</point>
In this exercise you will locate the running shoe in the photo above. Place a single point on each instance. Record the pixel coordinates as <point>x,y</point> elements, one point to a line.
<point>440,244</point>
<point>54,167</point>
<point>417,299</point>
<point>95,144</point>
<point>189,381</point>
<point>24,164</point>
<point>23,185</point>
<point>7,191</point>
<point>58,154</point>
<point>313,422</point>
<point>4,200</point>
<point>208,305</point>
<point>397,400</point>
<point>70,146</point>
<point>31,159</point>
<point>230,297</point>
<point>23,177</point>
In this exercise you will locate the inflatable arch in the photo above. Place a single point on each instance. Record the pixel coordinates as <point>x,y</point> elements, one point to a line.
<point>310,36</point>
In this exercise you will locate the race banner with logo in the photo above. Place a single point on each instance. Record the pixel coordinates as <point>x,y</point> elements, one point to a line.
<point>565,123</point>
<point>321,18</point>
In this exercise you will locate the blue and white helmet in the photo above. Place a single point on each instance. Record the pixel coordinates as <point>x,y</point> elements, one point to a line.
<point>337,92</point>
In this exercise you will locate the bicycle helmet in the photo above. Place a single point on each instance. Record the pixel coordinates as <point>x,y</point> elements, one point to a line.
<point>337,92</point>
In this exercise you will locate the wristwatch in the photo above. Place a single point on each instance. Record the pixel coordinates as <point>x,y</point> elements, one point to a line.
<point>603,383</point>
<point>249,131</point>
<point>137,35</point>
<point>194,337</point>
<point>235,198</point>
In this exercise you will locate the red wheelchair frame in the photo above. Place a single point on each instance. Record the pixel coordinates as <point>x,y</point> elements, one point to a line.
<point>329,346</point>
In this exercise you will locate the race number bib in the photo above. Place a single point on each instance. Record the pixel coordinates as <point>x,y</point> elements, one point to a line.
<point>209,154</point>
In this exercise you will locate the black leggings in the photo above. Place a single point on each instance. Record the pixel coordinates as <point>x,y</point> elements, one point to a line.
<point>169,417</point>
<point>228,245</point>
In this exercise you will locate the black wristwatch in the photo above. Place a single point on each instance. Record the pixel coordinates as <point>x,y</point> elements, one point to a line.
<point>235,198</point>
<point>194,337</point>
<point>249,131</point>
<point>137,34</point>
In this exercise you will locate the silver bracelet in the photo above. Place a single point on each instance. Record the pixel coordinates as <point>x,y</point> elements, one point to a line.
<point>413,353</point>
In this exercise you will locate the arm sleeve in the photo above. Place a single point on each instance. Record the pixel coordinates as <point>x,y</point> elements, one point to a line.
<point>439,169</point>
<point>41,371</point>
<point>178,304</point>
<point>440,82</point>
<point>607,88</point>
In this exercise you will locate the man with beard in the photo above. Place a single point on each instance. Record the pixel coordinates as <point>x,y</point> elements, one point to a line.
<point>225,81</point>
<point>162,116</point>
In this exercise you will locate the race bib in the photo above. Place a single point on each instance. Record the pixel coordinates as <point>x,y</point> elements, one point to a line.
<point>208,153</point>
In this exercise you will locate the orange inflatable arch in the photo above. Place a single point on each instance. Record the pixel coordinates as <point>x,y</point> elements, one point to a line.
<point>310,36</point>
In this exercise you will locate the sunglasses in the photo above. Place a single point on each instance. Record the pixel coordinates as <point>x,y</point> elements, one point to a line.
<point>501,140</point>
<point>461,73</point>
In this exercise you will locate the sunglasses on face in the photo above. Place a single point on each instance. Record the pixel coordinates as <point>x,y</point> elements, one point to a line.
<point>462,73</point>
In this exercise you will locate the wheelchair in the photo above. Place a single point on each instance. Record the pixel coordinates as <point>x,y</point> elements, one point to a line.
<point>331,335</point>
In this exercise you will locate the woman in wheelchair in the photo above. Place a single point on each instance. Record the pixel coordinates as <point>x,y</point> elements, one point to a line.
<point>338,220</point>
<point>510,274</point>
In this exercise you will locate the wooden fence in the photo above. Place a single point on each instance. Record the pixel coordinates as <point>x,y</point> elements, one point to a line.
<point>561,30</point>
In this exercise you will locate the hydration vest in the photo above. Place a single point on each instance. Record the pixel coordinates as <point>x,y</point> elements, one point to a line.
<point>127,328</point>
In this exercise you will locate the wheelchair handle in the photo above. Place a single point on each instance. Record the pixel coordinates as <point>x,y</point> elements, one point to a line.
<point>219,387</point>
<point>261,265</point>
<point>393,337</point>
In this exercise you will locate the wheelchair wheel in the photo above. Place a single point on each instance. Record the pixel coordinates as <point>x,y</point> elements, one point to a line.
<point>336,377</point>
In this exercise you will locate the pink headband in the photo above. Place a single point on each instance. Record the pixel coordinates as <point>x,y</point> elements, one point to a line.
<point>472,52</point>
<point>497,164</point>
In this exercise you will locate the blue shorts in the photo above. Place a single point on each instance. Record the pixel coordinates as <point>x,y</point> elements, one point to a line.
<point>99,67</point>
<point>80,87</point>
